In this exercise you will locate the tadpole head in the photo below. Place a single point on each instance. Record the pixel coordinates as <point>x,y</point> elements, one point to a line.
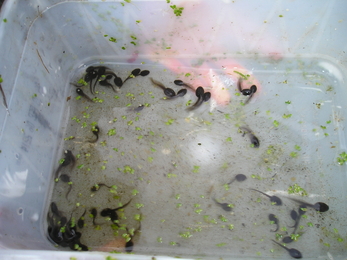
<point>169,92</point>
<point>206,96</point>
<point>178,82</point>
<point>79,91</point>
<point>144,73</point>
<point>118,81</point>
<point>136,72</point>
<point>253,88</point>
<point>240,177</point>
<point>182,92</point>
<point>64,178</point>
<point>109,76</point>
<point>246,92</point>
<point>199,92</point>
<point>90,68</point>
<point>321,207</point>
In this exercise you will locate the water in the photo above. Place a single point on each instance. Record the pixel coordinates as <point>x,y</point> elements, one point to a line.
<point>171,163</point>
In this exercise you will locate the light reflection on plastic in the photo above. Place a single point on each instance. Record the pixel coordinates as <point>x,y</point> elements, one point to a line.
<point>13,185</point>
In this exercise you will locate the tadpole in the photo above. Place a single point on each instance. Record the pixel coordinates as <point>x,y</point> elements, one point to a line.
<point>202,97</point>
<point>68,159</point>
<point>112,213</point>
<point>274,199</point>
<point>239,177</point>
<point>254,140</point>
<point>246,92</point>
<point>129,246</point>
<point>292,251</point>
<point>94,212</point>
<point>133,74</point>
<point>318,206</point>
<point>275,221</point>
<point>96,187</point>
<point>302,210</point>
<point>167,91</point>
<point>224,206</point>
<point>64,178</point>
<point>95,131</point>
<point>144,73</point>
<point>80,222</point>
<point>179,82</point>
<point>54,209</point>
<point>105,82</point>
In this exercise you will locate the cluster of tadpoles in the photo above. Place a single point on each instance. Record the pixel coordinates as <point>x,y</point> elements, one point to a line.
<point>103,76</point>
<point>63,232</point>
<point>170,93</point>
<point>295,215</point>
<point>246,92</point>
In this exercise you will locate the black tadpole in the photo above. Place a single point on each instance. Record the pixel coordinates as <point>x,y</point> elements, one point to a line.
<point>246,92</point>
<point>202,97</point>
<point>292,251</point>
<point>275,221</point>
<point>318,206</point>
<point>95,131</point>
<point>224,206</point>
<point>82,94</point>
<point>68,159</point>
<point>167,91</point>
<point>239,177</point>
<point>274,199</point>
<point>254,140</point>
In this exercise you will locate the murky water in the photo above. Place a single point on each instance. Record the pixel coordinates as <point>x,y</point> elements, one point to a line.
<point>172,163</point>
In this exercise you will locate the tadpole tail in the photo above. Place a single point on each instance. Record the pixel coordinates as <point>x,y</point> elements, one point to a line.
<point>196,105</point>
<point>157,83</point>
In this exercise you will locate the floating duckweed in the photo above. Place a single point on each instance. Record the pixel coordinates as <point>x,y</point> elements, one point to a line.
<point>177,10</point>
<point>198,211</point>
<point>137,128</point>
<point>69,138</point>
<point>140,137</point>
<point>173,243</point>
<point>177,196</point>
<point>130,122</point>
<point>276,123</point>
<point>293,154</point>
<point>342,159</point>
<point>178,205</point>
<point>285,116</point>
<point>111,132</point>
<point>223,219</point>
<point>309,224</point>
<point>134,192</point>
<point>196,169</point>
<point>139,205</point>
<point>296,189</point>
<point>160,240</point>
<point>226,186</point>
<point>297,147</point>
<point>185,234</point>
<point>221,244</point>
<point>169,122</point>
<point>171,175</point>
<point>284,229</point>
<point>340,239</point>
<point>227,116</point>
<point>328,122</point>
<point>150,159</point>
<point>189,102</point>
<point>112,39</point>
<point>288,102</point>
<point>228,139</point>
<point>230,226</point>
<point>80,166</point>
<point>255,176</point>
<point>128,169</point>
<point>103,143</point>
<point>153,150</point>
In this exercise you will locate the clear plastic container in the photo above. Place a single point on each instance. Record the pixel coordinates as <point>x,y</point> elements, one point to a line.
<point>175,164</point>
